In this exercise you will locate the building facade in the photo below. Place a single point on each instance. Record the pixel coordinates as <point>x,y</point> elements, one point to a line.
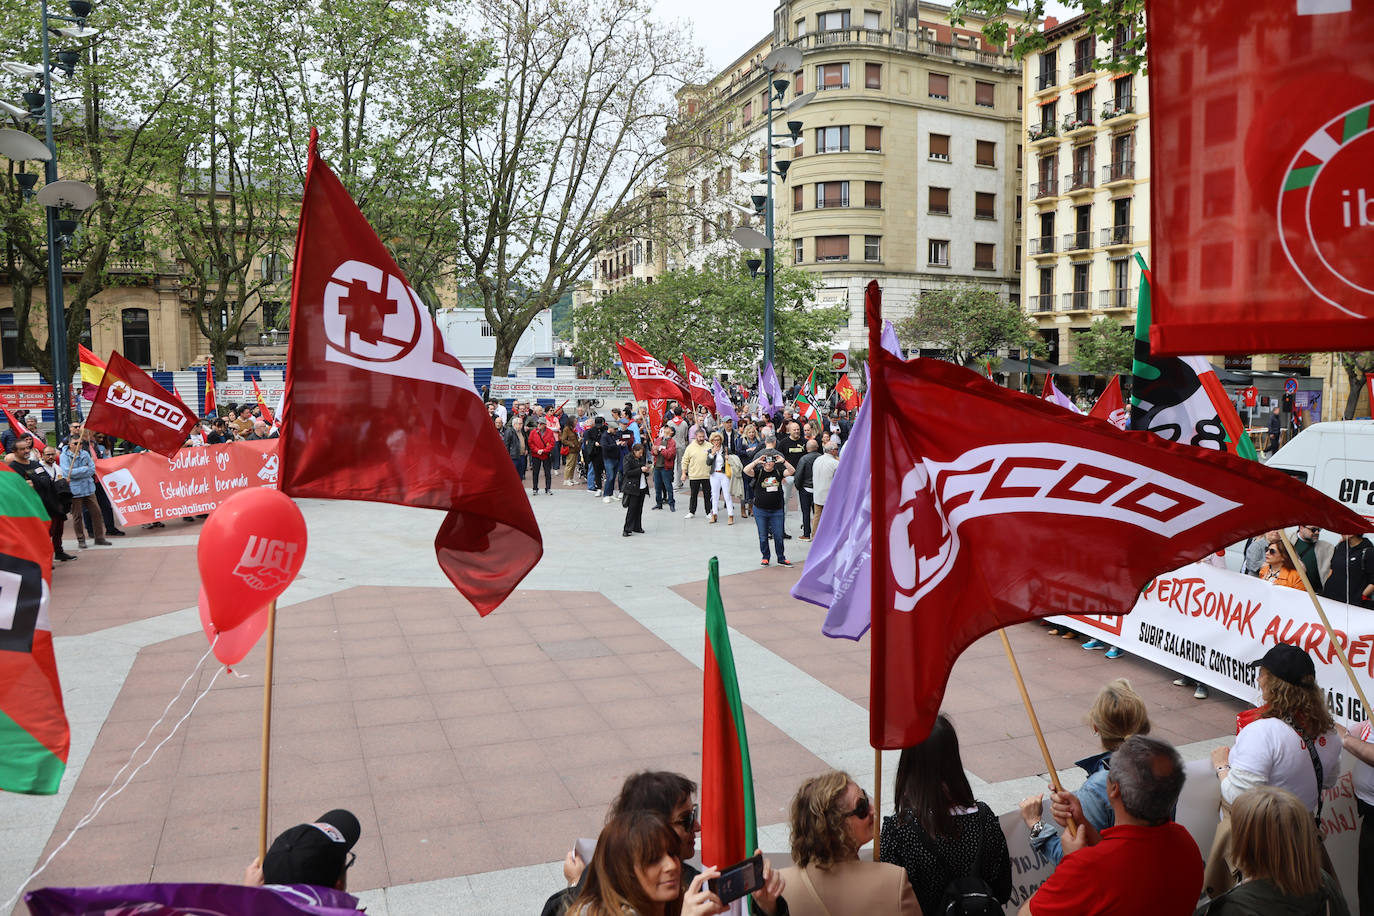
<point>1086,186</point>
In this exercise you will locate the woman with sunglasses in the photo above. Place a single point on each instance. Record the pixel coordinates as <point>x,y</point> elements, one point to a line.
<point>831,819</point>
<point>940,832</point>
<point>1278,568</point>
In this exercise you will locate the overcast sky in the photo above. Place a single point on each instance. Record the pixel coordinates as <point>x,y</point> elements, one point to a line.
<point>728,28</point>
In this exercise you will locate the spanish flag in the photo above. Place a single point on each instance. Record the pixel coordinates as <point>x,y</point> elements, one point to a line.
<point>210,407</point>
<point>92,372</point>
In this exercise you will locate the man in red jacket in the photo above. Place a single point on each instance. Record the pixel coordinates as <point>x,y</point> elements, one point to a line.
<point>665,456</point>
<point>542,442</point>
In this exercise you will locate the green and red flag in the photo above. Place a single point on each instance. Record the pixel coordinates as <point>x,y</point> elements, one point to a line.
<point>34,737</point>
<point>806,397</point>
<point>729,829</point>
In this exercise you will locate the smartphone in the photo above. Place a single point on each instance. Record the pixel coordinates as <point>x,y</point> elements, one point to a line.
<point>737,880</point>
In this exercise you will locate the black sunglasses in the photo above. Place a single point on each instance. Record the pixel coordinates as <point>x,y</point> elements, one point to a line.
<point>862,809</point>
<point>688,821</point>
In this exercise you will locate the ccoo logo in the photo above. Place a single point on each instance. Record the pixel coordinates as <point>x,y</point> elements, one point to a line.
<point>143,404</point>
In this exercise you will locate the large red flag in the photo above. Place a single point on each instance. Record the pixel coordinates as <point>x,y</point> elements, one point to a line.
<point>1110,406</point>
<point>697,385</point>
<point>684,396</point>
<point>1259,163</point>
<point>991,508</point>
<point>361,336</point>
<point>130,405</point>
<point>648,377</point>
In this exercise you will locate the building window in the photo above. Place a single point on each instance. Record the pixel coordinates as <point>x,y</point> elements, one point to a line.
<point>273,267</point>
<point>986,153</point>
<point>983,256</point>
<point>1049,67</point>
<point>705,231</point>
<point>747,116</point>
<point>830,194</point>
<point>873,193</point>
<point>705,190</point>
<point>832,76</point>
<point>938,87</point>
<point>873,139</point>
<point>1048,112</point>
<point>1017,266</point>
<point>797,197</point>
<point>1018,208</point>
<point>691,197</point>
<point>873,76</point>
<point>85,333</point>
<point>1084,50</point>
<point>873,248</point>
<point>832,21</point>
<point>796,251</point>
<point>832,139</point>
<point>939,252</point>
<point>137,342</point>
<point>984,205</point>
<point>1020,155</point>
<point>797,79</point>
<point>801,27</point>
<point>985,94</point>
<point>939,147</point>
<point>873,20</point>
<point>9,339</point>
<point>486,329</point>
<point>832,248</point>
<point>1020,96</point>
<point>939,201</point>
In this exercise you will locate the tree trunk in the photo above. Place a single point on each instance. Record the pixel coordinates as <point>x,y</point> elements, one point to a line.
<point>219,345</point>
<point>505,350</point>
<point>1356,384</point>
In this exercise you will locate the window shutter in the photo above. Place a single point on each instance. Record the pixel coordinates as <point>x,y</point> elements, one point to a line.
<point>832,248</point>
<point>939,200</point>
<point>873,139</point>
<point>939,146</point>
<point>984,94</point>
<point>939,86</point>
<point>873,76</point>
<point>987,152</point>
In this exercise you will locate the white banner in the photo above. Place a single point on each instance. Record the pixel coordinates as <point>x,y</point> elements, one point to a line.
<point>1210,624</point>
<point>560,389</point>
<point>242,393</point>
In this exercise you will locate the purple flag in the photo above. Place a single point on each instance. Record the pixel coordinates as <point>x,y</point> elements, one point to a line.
<point>836,575</point>
<point>764,407</point>
<point>176,899</point>
<point>723,406</point>
<point>770,379</point>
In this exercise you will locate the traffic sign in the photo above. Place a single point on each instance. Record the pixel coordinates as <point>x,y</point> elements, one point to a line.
<point>839,360</point>
<point>1290,386</point>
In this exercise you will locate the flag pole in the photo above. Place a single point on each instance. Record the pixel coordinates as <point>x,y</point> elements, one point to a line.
<point>877,801</point>
<point>1034,721</point>
<point>1321,613</point>
<point>266,730</point>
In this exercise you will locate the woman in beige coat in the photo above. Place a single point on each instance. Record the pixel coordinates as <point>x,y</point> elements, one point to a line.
<point>831,819</point>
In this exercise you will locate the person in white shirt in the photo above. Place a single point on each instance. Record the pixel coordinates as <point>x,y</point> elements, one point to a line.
<point>822,475</point>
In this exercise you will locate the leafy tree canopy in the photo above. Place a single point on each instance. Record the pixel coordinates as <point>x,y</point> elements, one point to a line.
<point>1006,27</point>
<point>967,321</point>
<point>1105,348</point>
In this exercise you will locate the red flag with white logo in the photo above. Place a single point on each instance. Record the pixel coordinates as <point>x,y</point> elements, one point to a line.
<point>697,385</point>
<point>1110,406</point>
<point>684,396</point>
<point>648,377</point>
<point>1260,195</point>
<point>360,335</point>
<point>991,508</point>
<point>130,405</point>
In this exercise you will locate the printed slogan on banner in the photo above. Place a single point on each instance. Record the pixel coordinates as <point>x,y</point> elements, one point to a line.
<point>146,487</point>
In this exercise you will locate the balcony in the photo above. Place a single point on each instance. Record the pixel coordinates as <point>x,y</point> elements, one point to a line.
<point>1045,130</point>
<point>1115,108</point>
<point>1046,79</point>
<point>1114,299</point>
<point>1078,121</point>
<point>1042,245</point>
<point>1077,241</point>
<point>834,38</point>
<point>1042,189</point>
<point>1079,301</point>
<point>1121,170</point>
<point>1083,66</point>
<point>1042,303</point>
<point>830,203</point>
<point>1116,236</point>
<point>1079,180</point>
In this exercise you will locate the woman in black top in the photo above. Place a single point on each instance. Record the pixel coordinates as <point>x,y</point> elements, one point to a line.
<point>634,483</point>
<point>940,831</point>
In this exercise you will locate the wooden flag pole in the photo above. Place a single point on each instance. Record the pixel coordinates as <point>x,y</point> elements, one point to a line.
<point>1034,721</point>
<point>266,731</point>
<point>877,802</point>
<point>1321,613</point>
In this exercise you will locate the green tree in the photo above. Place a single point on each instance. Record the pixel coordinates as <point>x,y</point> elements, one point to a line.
<point>1008,25</point>
<point>1357,364</point>
<point>1105,348</point>
<point>715,314</point>
<point>966,322</point>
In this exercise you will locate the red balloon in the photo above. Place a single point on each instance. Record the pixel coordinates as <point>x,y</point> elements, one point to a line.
<point>233,645</point>
<point>250,550</point>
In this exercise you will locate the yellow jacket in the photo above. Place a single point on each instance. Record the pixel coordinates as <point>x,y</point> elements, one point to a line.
<point>696,461</point>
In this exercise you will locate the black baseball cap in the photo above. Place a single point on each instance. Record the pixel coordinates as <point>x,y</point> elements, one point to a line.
<point>312,853</point>
<point>1288,663</point>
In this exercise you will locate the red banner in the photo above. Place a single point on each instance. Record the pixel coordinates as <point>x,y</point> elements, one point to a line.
<point>697,385</point>
<point>26,397</point>
<point>647,376</point>
<point>1260,148</point>
<point>130,405</point>
<point>146,487</point>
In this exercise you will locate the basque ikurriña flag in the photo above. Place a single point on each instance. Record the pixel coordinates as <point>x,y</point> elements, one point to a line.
<point>361,335</point>
<point>729,827</point>
<point>34,737</point>
<point>976,491</point>
<point>130,405</point>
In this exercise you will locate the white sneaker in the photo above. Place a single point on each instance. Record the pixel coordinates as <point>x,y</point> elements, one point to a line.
<point>688,515</point>
<point>605,499</point>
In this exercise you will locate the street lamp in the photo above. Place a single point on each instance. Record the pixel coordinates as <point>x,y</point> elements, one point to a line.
<point>780,60</point>
<point>63,200</point>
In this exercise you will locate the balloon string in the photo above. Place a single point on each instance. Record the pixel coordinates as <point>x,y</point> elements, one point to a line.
<point>107,796</point>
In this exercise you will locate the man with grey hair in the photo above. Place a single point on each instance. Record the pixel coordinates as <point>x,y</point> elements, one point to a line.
<point>822,475</point>
<point>1145,863</point>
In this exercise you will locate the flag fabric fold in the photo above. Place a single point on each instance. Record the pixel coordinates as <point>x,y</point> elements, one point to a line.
<point>684,396</point>
<point>722,402</point>
<point>92,371</point>
<point>262,403</point>
<point>1052,394</point>
<point>1110,406</point>
<point>648,377</point>
<point>765,407</point>
<point>130,405</point>
<point>806,397</point>
<point>175,899</point>
<point>34,735</point>
<point>845,389</point>
<point>19,428</point>
<point>361,335</point>
<point>976,490</point>
<point>770,378</point>
<point>700,392</point>
<point>729,826</point>
<point>210,407</point>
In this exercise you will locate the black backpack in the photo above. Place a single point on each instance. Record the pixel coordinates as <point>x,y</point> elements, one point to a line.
<point>969,895</point>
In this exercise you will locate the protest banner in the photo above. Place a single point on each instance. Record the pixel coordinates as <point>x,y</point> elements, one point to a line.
<point>26,397</point>
<point>562,389</point>
<point>241,392</point>
<point>146,487</point>
<point>1209,624</point>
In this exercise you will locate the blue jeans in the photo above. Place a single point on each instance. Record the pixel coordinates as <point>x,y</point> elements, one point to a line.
<point>595,472</point>
<point>663,487</point>
<point>612,470</point>
<point>520,464</point>
<point>769,523</point>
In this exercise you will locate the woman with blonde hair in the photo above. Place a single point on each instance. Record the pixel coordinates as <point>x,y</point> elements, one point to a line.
<point>721,472</point>
<point>1275,848</point>
<point>832,819</point>
<point>1116,714</point>
<point>636,871</point>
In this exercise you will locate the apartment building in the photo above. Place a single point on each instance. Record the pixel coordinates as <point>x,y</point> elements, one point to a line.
<point>1086,186</point>
<point>908,165</point>
<point>637,252</point>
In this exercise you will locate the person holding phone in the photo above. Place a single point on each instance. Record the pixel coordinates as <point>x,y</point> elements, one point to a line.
<point>769,471</point>
<point>636,869</point>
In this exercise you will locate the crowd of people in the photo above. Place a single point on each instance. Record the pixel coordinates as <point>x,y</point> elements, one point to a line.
<point>755,468</point>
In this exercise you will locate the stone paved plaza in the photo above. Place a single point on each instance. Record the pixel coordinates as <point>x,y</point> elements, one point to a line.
<point>474,751</point>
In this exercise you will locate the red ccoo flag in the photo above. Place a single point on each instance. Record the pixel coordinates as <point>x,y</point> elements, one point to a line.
<point>697,386</point>
<point>684,396</point>
<point>360,334</point>
<point>974,488</point>
<point>130,405</point>
<point>648,377</point>
<point>1110,406</point>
